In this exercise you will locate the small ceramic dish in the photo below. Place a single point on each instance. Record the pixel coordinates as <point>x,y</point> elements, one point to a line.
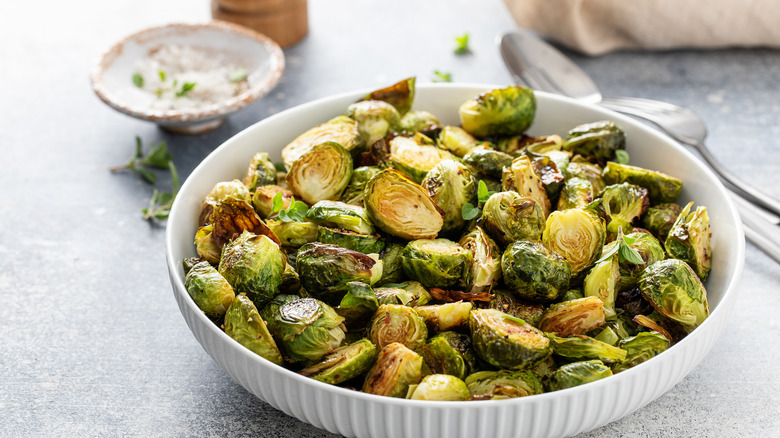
<point>258,57</point>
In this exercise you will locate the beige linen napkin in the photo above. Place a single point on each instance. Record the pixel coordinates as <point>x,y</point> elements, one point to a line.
<point>599,26</point>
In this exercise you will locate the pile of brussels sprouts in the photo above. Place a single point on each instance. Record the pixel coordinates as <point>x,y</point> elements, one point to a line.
<point>394,255</point>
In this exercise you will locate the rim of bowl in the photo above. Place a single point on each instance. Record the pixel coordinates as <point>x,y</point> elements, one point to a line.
<point>277,62</point>
<point>728,290</point>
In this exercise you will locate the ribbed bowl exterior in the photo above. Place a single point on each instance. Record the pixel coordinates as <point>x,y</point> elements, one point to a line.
<point>561,413</point>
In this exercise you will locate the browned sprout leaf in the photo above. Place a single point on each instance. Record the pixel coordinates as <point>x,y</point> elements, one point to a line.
<point>452,296</point>
<point>232,216</point>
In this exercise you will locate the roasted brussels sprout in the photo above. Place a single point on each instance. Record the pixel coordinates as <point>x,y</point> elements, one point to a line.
<point>365,243</point>
<point>263,199</point>
<point>291,282</point>
<point>399,206</point>
<point>580,347</point>
<point>440,387</point>
<point>340,214</point>
<point>624,204</point>
<point>232,216</point>
<point>253,265</point>
<point>689,240</point>
<point>542,144</point>
<point>261,172</point>
<point>660,187</point>
<point>209,289</point>
<point>599,139</point>
<point>415,160</point>
<point>234,189</point>
<point>396,368</point>
<point>676,292</point>
<point>400,95</point>
<point>487,162</point>
<point>437,262</point>
<point>507,302</point>
<point>325,270</point>
<point>648,248</point>
<point>293,234</point>
<point>360,176</point>
<point>341,130</point>
<point>549,173</point>
<point>456,140</point>
<point>522,178</point>
<point>575,317</point>
<point>576,234</point>
<point>658,219</point>
<point>572,294</point>
<point>244,324</point>
<point>577,373</point>
<point>397,323</point>
<point>500,112</point>
<point>307,329</point>
<point>534,272</point>
<point>408,293</point>
<point>448,316</point>
<point>392,264</point>
<point>576,193</point>
<point>205,246</point>
<point>505,341</point>
<point>451,186</point>
<point>603,282</point>
<point>485,269</point>
<point>358,305</point>
<point>450,353</point>
<point>323,172</point>
<point>581,168</point>
<point>344,363</point>
<point>503,384</point>
<point>375,118</point>
<point>640,348</point>
<point>420,121</point>
<point>507,217</point>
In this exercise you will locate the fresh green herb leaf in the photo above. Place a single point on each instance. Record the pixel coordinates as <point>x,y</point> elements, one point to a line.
<point>469,212</point>
<point>138,80</point>
<point>278,203</point>
<point>238,75</point>
<point>439,76</point>
<point>146,174</point>
<point>621,156</point>
<point>160,205</point>
<point>158,156</point>
<point>623,249</point>
<point>162,75</point>
<point>629,254</point>
<point>462,44</point>
<point>280,167</point>
<point>294,213</point>
<point>185,88</point>
<point>515,319</point>
<point>483,193</point>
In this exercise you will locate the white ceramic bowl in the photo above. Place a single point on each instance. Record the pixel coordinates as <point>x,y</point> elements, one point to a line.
<point>561,413</point>
<point>112,74</point>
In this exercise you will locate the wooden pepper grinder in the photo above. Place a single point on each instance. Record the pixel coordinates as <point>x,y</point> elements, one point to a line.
<point>284,21</point>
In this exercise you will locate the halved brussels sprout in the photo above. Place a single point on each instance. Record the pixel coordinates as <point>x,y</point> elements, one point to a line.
<point>358,304</point>
<point>395,369</point>
<point>442,317</point>
<point>397,323</point>
<point>534,272</point>
<point>261,172</point>
<point>440,387</point>
<point>575,317</point>
<point>576,234</point>
<point>307,329</point>
<point>399,206</point>
<point>660,186</point>
<point>413,159</point>
<point>360,177</point>
<point>400,95</point>
<point>689,240</point>
<point>603,282</point>
<point>503,384</point>
<point>263,199</point>
<point>222,190</point>
<point>500,112</point>
<point>580,347</point>
<point>344,363</point>
<point>340,214</point>
<point>341,130</point>
<point>375,118</point>
<point>392,264</point>
<point>209,289</point>
<point>579,167</point>
<point>293,234</point>
<point>505,341</point>
<point>365,243</point>
<point>420,121</point>
<point>456,140</point>
<point>676,292</point>
<point>578,373</point>
<point>624,204</point>
<point>325,270</point>
<point>508,216</point>
<point>244,324</point>
<point>486,161</point>
<point>640,348</point>
<point>599,139</point>
<point>507,302</point>
<point>451,186</point>
<point>576,193</point>
<point>659,219</point>
<point>323,172</point>
<point>253,265</point>
<point>485,269</point>
<point>437,262</point>
<point>206,247</point>
<point>522,178</point>
<point>450,353</point>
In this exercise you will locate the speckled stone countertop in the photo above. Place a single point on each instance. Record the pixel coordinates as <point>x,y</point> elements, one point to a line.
<point>91,340</point>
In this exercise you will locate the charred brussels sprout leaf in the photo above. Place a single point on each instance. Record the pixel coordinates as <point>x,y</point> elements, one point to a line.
<point>456,140</point>
<point>508,217</point>
<point>580,347</point>
<point>508,303</point>
<point>397,323</point>
<point>575,317</point>
<point>504,384</point>
<point>624,204</point>
<point>365,243</point>
<point>339,214</point>
<point>576,193</point>
<point>485,269</point>
<point>209,289</point>
<point>396,368</point>
<point>578,373</point>
<point>293,234</point>
<point>261,172</point>
<point>440,387</point>
<point>325,270</point>
<point>449,316</point>
<point>323,172</point>
<point>640,348</point>
<point>400,95</point>
<point>307,329</point>
<point>598,139</point>
<point>244,324</point>
<point>375,118</point>
<point>578,235</point>
<point>223,190</point>
<point>676,292</point>
<point>487,162</point>
<point>451,186</point>
<point>420,121</point>
<point>415,160</point>
<point>660,218</point>
<point>253,265</point>
<point>661,187</point>
<point>689,240</point>
<point>341,130</point>
<point>437,262</point>
<point>506,343</point>
<point>232,217</point>
<point>344,363</point>
<point>500,112</point>
<point>399,206</point>
<point>450,353</point>
<point>521,177</point>
<point>534,272</point>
